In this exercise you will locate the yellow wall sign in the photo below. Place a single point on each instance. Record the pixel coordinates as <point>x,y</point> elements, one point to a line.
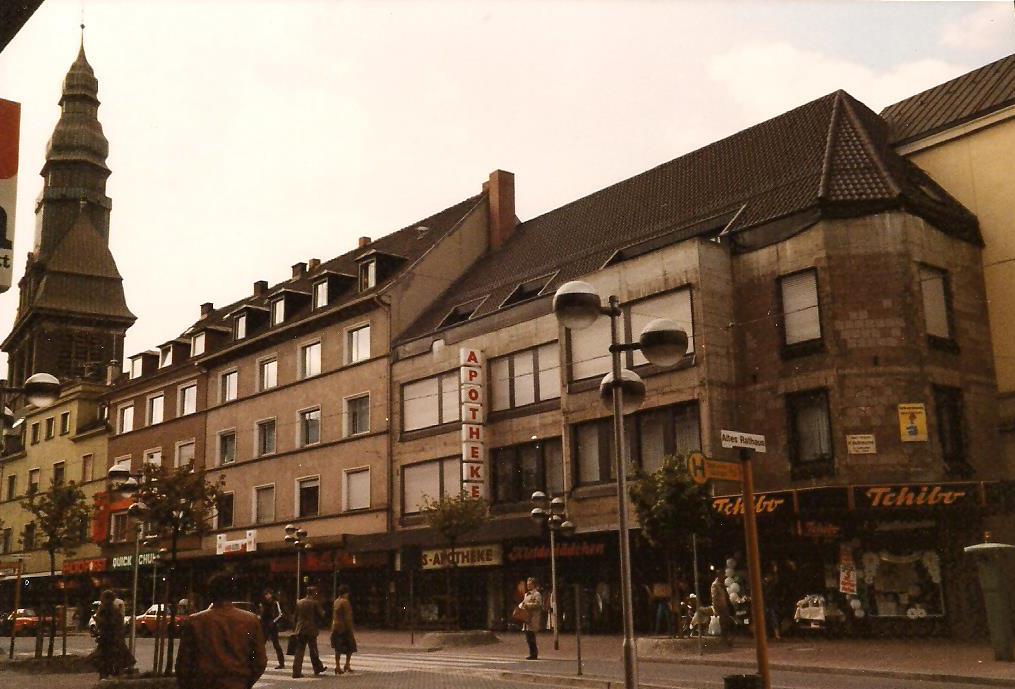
<point>913,422</point>
<point>703,469</point>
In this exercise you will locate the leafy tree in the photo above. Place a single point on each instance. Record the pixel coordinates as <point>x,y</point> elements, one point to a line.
<point>454,517</point>
<point>61,517</point>
<point>176,502</point>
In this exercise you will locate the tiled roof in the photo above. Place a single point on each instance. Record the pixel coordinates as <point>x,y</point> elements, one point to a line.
<point>962,99</point>
<point>831,157</point>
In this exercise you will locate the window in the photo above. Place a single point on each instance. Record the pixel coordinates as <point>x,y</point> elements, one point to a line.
<point>5,544</point>
<point>264,504</point>
<point>356,489</point>
<point>277,311</point>
<point>59,473</point>
<point>460,313</point>
<point>28,537</point>
<point>810,435</point>
<point>265,437</point>
<point>936,306</point>
<point>35,433</point>
<point>224,511</point>
<point>526,290</point>
<point>153,457</point>
<point>12,487</point>
<point>590,350</point>
<point>65,423</point>
<point>227,447</point>
<point>155,409</point>
<point>367,275</point>
<point>532,375</point>
<point>523,469</point>
<point>308,492</point>
<point>240,327</point>
<point>188,399</point>
<point>50,427</point>
<point>432,480</point>
<point>320,294</point>
<point>227,389</point>
<point>593,446</point>
<point>675,305</point>
<point>125,420</point>
<point>431,402</point>
<point>658,433</point>
<point>310,427</point>
<point>268,377</point>
<point>310,360</point>
<point>165,356</point>
<point>358,344</point>
<point>136,368</point>
<point>801,315</point>
<point>948,405</point>
<point>357,415</point>
<point>184,454</point>
<point>118,527</point>
<point>197,345</point>
<point>87,467</point>
<point>33,481</point>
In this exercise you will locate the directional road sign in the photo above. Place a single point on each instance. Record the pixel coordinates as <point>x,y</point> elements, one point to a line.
<point>739,439</point>
<point>703,469</point>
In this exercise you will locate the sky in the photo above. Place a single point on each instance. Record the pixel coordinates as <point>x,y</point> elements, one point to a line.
<point>246,136</point>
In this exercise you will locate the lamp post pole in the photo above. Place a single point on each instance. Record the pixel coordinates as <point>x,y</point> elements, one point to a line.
<point>553,589</point>
<point>297,538</point>
<point>553,513</point>
<point>133,597</point>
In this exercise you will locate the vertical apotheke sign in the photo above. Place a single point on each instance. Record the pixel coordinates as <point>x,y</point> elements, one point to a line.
<point>10,126</point>
<point>473,432</point>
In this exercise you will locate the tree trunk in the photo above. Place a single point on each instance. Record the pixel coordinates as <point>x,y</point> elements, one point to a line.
<point>452,610</point>
<point>171,627</point>
<point>52,603</point>
<point>63,622</point>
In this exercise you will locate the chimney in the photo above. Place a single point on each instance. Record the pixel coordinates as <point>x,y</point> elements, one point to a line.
<point>501,190</point>
<point>314,264</point>
<point>206,309</point>
<point>363,241</point>
<point>299,270</point>
<point>260,288</point>
<point>113,371</point>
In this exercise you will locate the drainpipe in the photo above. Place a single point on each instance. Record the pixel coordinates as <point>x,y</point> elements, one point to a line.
<point>390,517</point>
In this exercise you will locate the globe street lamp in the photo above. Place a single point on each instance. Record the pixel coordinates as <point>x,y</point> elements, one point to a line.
<point>577,305</point>
<point>297,538</point>
<point>122,481</point>
<point>552,513</point>
<point>40,390</point>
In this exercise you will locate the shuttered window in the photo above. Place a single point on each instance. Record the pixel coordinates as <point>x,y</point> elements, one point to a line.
<point>532,375</point>
<point>935,301</point>
<point>264,504</point>
<point>800,310</point>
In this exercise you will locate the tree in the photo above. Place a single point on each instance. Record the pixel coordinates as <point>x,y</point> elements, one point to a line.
<point>454,517</point>
<point>176,502</point>
<point>60,517</point>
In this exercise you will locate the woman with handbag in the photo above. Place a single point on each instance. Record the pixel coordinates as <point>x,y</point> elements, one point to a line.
<point>529,612</point>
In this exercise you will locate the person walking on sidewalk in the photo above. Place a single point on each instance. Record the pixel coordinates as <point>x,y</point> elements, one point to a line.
<point>271,616</point>
<point>723,609</point>
<point>111,655</point>
<point>309,618</point>
<point>343,635</point>
<point>221,647</point>
<point>532,604</point>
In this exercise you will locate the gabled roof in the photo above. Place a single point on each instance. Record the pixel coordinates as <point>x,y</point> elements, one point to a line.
<point>828,158</point>
<point>972,95</point>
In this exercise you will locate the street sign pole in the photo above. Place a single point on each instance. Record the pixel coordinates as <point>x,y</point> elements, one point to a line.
<point>17,604</point>
<point>754,567</point>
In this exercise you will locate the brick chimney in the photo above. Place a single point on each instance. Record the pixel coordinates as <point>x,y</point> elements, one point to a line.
<point>313,264</point>
<point>501,191</point>
<point>206,309</point>
<point>363,241</point>
<point>299,270</point>
<point>260,288</point>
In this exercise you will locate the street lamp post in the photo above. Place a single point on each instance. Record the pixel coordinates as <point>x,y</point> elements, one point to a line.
<point>553,514</point>
<point>297,538</point>
<point>577,305</point>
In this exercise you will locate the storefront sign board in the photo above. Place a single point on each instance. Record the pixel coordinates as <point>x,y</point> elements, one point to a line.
<point>10,569</point>
<point>891,497</point>
<point>469,556</point>
<point>127,561</point>
<point>473,418</point>
<point>861,444</point>
<point>847,580</point>
<point>245,544</point>
<point>751,441</point>
<point>524,553</point>
<point>84,566</point>
<point>702,469</point>
<point>734,506</point>
<point>10,124</point>
<point>913,422</point>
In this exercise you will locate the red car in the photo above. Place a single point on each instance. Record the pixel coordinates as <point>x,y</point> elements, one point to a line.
<point>148,621</point>
<point>25,621</point>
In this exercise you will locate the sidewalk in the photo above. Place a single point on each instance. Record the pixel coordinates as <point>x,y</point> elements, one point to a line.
<point>928,659</point>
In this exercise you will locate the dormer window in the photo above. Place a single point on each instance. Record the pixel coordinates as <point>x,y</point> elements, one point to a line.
<point>277,311</point>
<point>166,356</point>
<point>240,327</point>
<point>367,275</point>
<point>461,313</point>
<point>320,294</point>
<point>197,345</point>
<point>135,368</point>
<point>526,290</point>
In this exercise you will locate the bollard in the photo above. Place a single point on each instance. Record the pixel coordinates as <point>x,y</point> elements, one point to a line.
<point>996,596</point>
<point>742,682</point>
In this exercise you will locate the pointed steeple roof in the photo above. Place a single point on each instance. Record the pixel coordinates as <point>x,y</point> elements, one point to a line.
<point>78,135</point>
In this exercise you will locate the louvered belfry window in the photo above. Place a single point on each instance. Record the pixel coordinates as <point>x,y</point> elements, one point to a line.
<point>800,310</point>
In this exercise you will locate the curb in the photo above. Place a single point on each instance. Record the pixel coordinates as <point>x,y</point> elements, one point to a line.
<point>585,682</point>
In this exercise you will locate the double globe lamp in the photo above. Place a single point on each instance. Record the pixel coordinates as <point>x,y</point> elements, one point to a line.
<point>577,305</point>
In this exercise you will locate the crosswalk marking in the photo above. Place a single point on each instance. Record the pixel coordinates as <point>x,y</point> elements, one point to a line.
<point>394,662</point>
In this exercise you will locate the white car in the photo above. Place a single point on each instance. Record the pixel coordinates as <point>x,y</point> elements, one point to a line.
<point>93,628</point>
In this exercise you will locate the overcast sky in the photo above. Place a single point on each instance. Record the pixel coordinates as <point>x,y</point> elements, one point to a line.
<point>247,136</point>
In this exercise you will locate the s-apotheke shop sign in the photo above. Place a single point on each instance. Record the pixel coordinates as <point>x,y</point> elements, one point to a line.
<point>470,556</point>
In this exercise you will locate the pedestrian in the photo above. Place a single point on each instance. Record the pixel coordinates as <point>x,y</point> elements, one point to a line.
<point>723,608</point>
<point>771,584</point>
<point>221,647</point>
<point>309,618</point>
<point>343,634</point>
<point>660,594</point>
<point>111,655</point>
<point>532,604</point>
<point>271,616</point>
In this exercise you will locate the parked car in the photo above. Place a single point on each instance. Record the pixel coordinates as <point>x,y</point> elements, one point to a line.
<point>93,628</point>
<point>148,622</point>
<point>25,622</point>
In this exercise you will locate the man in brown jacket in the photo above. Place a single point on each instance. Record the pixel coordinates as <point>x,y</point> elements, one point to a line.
<point>309,618</point>
<point>221,647</point>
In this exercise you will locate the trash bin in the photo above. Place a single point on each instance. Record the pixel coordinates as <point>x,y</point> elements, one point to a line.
<point>997,599</point>
<point>742,682</point>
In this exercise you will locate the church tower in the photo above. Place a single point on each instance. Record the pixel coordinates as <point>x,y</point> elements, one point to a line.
<point>72,315</point>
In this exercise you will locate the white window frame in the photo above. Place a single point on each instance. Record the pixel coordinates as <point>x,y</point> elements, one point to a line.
<point>318,302</point>
<point>119,418</point>
<point>166,356</point>
<point>62,465</point>
<point>64,428</point>
<point>299,426</point>
<point>136,366</point>
<point>296,494</point>
<point>240,326</point>
<point>257,433</point>
<point>218,525</point>
<point>454,373</point>
<point>303,359</point>
<point>253,504</point>
<point>149,420</point>
<point>87,462</point>
<point>176,453</point>
<point>532,353</point>
<point>148,452</point>
<point>798,323</point>
<point>126,526</point>
<point>348,341</point>
<point>347,415</point>
<point>345,487</point>
<point>222,385</point>
<point>180,398</point>
<point>197,344</point>
<point>261,362</point>
<point>277,311</point>
<point>218,446</point>
<point>368,275</point>
<point>38,482</point>
<point>938,325</point>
